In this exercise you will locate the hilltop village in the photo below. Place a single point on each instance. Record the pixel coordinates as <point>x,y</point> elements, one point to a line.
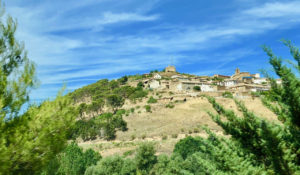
<point>239,84</point>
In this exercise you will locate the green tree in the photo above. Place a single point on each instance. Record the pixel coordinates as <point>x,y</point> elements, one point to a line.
<point>145,158</point>
<point>123,80</point>
<point>187,146</point>
<point>72,161</point>
<point>273,147</point>
<point>114,165</point>
<point>30,140</point>
<point>115,102</point>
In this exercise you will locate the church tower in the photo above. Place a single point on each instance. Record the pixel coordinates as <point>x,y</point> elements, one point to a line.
<point>237,71</point>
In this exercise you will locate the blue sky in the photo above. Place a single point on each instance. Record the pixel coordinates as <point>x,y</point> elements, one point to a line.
<point>80,42</point>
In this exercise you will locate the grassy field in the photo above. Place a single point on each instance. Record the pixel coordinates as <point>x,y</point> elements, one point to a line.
<point>165,126</point>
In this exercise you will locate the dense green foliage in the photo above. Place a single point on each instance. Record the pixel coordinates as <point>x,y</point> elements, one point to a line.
<point>114,165</point>
<point>104,92</point>
<point>102,126</point>
<point>187,146</point>
<point>143,162</point>
<point>30,140</point>
<point>72,161</point>
<point>196,88</point>
<point>273,146</point>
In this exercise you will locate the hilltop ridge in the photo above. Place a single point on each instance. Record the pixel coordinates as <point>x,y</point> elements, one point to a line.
<point>163,107</point>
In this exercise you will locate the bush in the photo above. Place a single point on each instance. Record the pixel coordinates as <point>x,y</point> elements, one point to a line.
<point>72,161</point>
<point>174,136</point>
<point>255,94</point>
<point>123,80</point>
<point>140,85</point>
<point>132,110</point>
<point>164,137</point>
<point>148,108</point>
<point>152,100</point>
<point>115,101</point>
<point>145,157</point>
<point>128,153</point>
<point>112,165</point>
<point>187,146</point>
<point>170,105</point>
<point>227,94</point>
<point>196,88</point>
<point>132,137</point>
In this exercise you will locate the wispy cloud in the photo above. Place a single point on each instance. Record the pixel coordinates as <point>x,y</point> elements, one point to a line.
<point>95,39</point>
<point>276,10</point>
<point>110,18</point>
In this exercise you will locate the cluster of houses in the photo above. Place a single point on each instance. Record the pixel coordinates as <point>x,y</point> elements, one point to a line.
<point>238,83</point>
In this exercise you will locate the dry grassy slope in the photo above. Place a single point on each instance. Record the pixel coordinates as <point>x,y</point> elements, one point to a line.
<point>184,119</point>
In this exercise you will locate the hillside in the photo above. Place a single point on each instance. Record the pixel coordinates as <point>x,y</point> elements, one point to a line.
<point>172,116</point>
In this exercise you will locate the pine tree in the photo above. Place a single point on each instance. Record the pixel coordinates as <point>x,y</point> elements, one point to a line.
<point>272,146</point>
<point>30,140</point>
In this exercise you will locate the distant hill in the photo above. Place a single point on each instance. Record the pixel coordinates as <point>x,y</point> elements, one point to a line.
<point>143,114</point>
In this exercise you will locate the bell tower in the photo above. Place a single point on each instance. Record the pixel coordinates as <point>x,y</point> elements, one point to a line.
<point>237,71</point>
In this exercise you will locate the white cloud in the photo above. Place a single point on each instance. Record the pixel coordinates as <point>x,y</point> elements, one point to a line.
<point>276,10</point>
<point>110,18</point>
<point>69,58</point>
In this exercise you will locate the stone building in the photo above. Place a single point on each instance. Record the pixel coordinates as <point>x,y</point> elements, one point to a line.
<point>170,69</point>
<point>238,75</point>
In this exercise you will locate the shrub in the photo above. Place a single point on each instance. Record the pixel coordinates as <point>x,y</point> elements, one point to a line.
<point>132,110</point>
<point>72,161</point>
<point>174,136</point>
<point>164,137</point>
<point>115,101</point>
<point>227,94</point>
<point>128,153</point>
<point>123,80</point>
<point>132,137</point>
<point>145,157</point>
<point>255,94</point>
<point>148,108</point>
<point>187,146</point>
<point>112,165</point>
<point>196,88</point>
<point>140,85</point>
<point>152,100</point>
<point>170,105</point>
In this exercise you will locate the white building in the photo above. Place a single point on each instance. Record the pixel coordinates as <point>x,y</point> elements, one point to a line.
<point>207,88</point>
<point>260,80</point>
<point>180,77</point>
<point>154,84</point>
<point>230,82</point>
<point>157,77</point>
